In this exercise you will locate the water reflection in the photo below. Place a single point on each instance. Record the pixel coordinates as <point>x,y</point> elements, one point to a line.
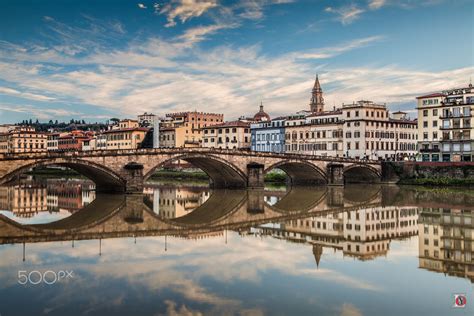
<point>446,241</point>
<point>228,250</point>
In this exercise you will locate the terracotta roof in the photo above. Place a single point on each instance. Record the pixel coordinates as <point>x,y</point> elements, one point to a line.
<point>432,95</point>
<point>261,115</point>
<point>229,124</point>
<point>131,129</point>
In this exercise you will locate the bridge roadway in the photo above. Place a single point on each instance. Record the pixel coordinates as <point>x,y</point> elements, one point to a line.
<point>114,216</point>
<point>127,170</point>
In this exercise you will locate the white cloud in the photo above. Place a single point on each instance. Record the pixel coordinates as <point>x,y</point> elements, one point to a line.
<point>141,6</point>
<point>26,95</point>
<point>346,14</point>
<point>198,34</point>
<point>376,4</point>
<point>185,10</point>
<point>329,52</point>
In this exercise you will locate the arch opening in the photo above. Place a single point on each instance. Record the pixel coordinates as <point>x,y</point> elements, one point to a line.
<point>361,174</point>
<point>300,173</point>
<point>222,174</point>
<point>105,180</point>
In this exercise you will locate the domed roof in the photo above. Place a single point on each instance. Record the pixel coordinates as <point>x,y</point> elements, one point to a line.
<point>261,115</point>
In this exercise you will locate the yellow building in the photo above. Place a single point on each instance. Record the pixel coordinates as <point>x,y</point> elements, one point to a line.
<point>125,138</point>
<point>184,129</point>
<point>23,140</point>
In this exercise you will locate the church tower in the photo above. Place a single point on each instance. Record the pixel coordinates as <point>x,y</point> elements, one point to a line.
<point>317,101</point>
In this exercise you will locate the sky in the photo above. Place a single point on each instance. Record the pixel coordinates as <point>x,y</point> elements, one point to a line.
<point>94,60</point>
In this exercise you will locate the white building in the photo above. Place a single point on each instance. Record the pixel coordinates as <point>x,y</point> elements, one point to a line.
<point>146,119</point>
<point>370,132</point>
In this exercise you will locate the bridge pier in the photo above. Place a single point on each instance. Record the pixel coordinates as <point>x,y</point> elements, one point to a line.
<point>335,174</point>
<point>255,176</point>
<point>133,174</point>
<point>255,201</point>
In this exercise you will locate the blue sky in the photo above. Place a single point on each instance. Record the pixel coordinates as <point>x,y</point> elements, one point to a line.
<point>100,59</point>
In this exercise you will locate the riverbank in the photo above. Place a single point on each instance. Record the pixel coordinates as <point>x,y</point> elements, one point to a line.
<point>271,177</point>
<point>430,173</point>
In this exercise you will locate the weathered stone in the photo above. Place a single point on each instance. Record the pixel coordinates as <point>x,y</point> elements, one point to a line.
<point>127,170</point>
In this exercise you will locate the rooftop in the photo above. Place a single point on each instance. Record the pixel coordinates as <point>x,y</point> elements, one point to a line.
<point>229,124</point>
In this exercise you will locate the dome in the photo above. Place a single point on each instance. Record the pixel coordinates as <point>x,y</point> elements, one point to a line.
<point>261,115</point>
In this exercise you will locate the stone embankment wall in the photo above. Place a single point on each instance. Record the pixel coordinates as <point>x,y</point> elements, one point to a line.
<point>429,173</point>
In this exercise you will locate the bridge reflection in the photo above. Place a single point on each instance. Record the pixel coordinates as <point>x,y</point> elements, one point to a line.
<point>359,221</point>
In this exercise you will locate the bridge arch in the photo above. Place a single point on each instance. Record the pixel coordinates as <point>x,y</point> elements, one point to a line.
<point>223,174</point>
<point>105,179</point>
<point>300,172</point>
<point>361,173</point>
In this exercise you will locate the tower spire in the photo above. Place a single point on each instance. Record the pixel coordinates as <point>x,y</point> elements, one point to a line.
<point>317,101</point>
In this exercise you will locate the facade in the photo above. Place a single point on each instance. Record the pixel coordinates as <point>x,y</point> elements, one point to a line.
<point>371,133</point>
<point>319,133</point>
<point>73,141</point>
<point>23,140</point>
<point>125,138</point>
<point>146,119</point>
<point>457,142</point>
<point>429,122</point>
<point>228,135</point>
<point>53,142</point>
<point>268,136</point>
<point>184,129</point>
<point>445,128</point>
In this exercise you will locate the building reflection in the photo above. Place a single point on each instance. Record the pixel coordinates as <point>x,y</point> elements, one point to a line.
<point>364,234</point>
<point>30,198</point>
<point>446,241</point>
<point>176,201</point>
<point>24,200</point>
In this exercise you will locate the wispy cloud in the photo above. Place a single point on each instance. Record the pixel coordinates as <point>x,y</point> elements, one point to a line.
<point>329,52</point>
<point>198,34</point>
<point>346,14</point>
<point>184,10</point>
<point>376,4</point>
<point>25,95</point>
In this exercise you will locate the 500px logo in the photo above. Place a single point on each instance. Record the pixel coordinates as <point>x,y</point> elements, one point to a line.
<point>47,277</point>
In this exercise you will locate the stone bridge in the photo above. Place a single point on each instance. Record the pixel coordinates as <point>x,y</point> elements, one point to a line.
<point>127,170</point>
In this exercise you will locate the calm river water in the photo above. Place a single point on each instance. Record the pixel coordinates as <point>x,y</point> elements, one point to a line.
<point>183,249</point>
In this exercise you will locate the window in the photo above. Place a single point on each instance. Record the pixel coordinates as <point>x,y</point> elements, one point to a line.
<point>435,123</point>
<point>425,113</point>
<point>466,111</point>
<point>435,112</point>
<point>425,124</point>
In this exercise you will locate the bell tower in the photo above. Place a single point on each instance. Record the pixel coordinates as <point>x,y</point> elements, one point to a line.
<point>317,102</point>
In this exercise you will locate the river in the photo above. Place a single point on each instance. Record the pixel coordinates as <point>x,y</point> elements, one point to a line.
<point>184,249</point>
